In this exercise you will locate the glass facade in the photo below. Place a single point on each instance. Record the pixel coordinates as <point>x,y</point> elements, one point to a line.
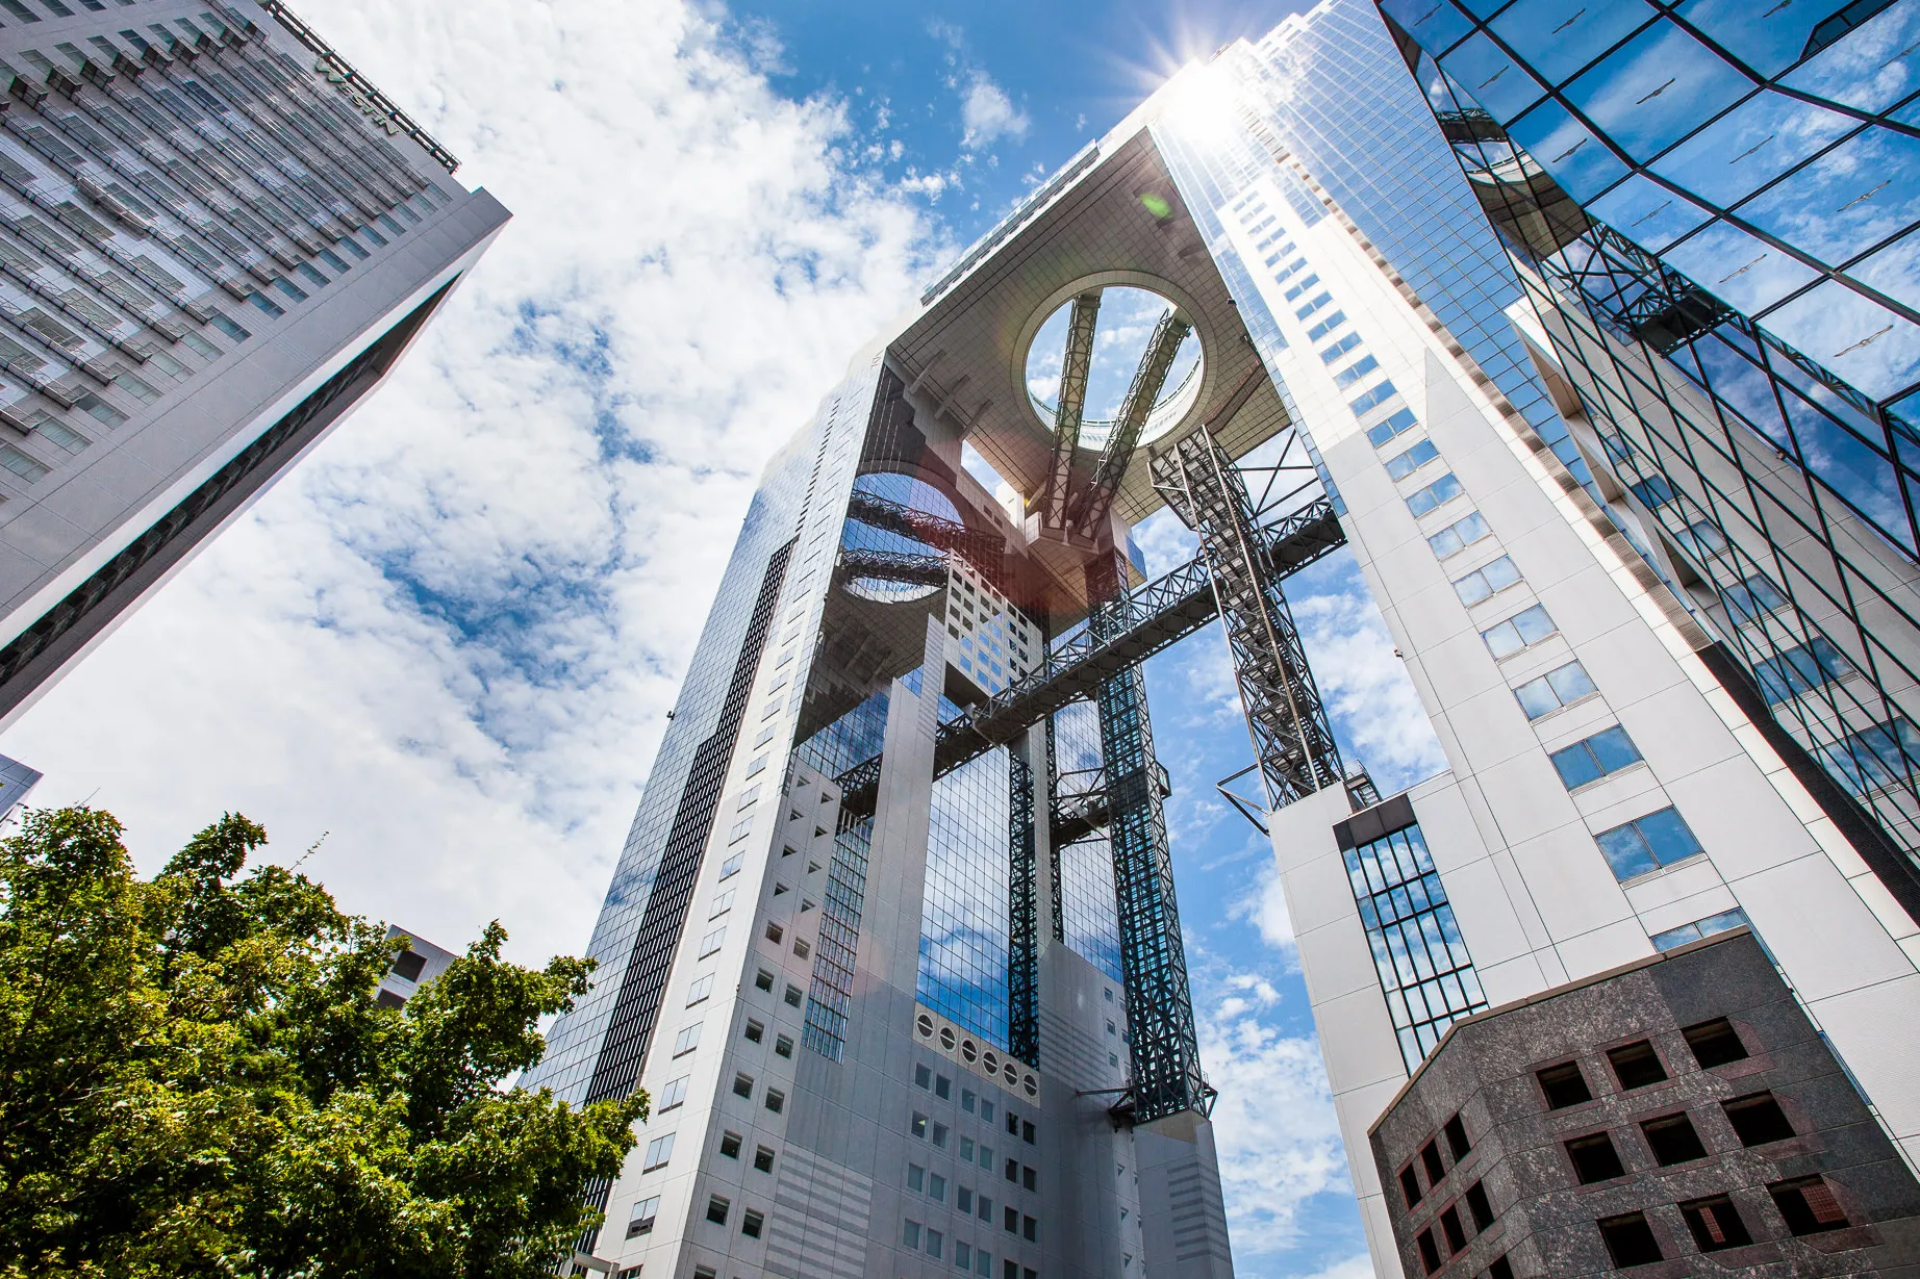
<point>1717,205</point>
<point>794,507</point>
<point>1084,906</point>
<point>1379,158</point>
<point>965,933</point>
<point>1418,952</point>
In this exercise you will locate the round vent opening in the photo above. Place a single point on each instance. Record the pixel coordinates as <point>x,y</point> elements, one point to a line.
<point>969,1050</point>
<point>924,1024</point>
<point>946,1038</point>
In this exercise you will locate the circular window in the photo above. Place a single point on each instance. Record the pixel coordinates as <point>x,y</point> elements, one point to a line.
<point>968,1050</point>
<point>885,562</point>
<point>1123,332</point>
<point>1011,1075</point>
<point>946,1038</point>
<point>1032,1086</point>
<point>991,1062</point>
<point>924,1024</point>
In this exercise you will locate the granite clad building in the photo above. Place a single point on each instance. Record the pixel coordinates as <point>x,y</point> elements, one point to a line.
<point>215,238</point>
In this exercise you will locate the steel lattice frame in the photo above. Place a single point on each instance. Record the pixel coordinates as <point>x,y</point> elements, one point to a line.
<point>1089,508</point>
<point>1165,1048</point>
<point>1074,369</point>
<point>1288,725</point>
<point>1023,947</point>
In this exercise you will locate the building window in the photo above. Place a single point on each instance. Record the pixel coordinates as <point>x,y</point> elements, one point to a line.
<point>640,1221</point>
<point>1326,326</point>
<point>776,1100</point>
<point>1673,1140</point>
<point>1606,752</point>
<point>1523,630</point>
<point>1373,399</point>
<point>1563,1085</point>
<point>1561,687</point>
<point>1334,350</point>
<point>1399,422</point>
<point>1456,1135</point>
<point>1875,757</point>
<point>1429,1251</point>
<point>1807,1205</point>
<point>1434,495</point>
<point>1486,581</point>
<point>1800,669</point>
<point>743,1085</point>
<point>674,1094</point>
<point>1450,1226</point>
<point>763,1159</point>
<point>659,1151</point>
<point>1430,1160</point>
<point>919,1126</point>
<point>943,1088</point>
<point>1630,1240</point>
<point>1424,969</point>
<point>700,990</point>
<point>763,980</point>
<point>936,1242</point>
<point>1479,1206</point>
<point>1735,918</point>
<point>910,1236</point>
<point>730,1144</point>
<point>1354,372</point>
<point>751,1223</point>
<point>731,867</point>
<point>712,942</point>
<point>1757,1119</point>
<point>755,1032</point>
<point>688,1040</point>
<point>1313,304</point>
<point>1405,464</point>
<point>794,995</point>
<point>717,1208</point>
<point>27,468</point>
<point>1714,1043</point>
<point>937,1187</point>
<point>1636,1065</point>
<point>1750,599</point>
<point>1459,535</point>
<point>1647,843</point>
<point>1410,1186</point>
<point>782,1046</point>
<point>1594,1158</point>
<point>1715,1224</point>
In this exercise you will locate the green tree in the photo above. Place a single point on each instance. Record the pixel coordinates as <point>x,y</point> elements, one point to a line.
<point>195,1079</point>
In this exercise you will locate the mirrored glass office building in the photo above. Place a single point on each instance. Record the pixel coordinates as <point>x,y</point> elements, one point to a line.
<point>216,237</point>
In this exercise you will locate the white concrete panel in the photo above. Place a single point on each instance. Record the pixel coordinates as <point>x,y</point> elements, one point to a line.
<point>1527,798</point>
<point>1817,928</point>
<point>1876,1031</point>
<point>1739,818</point>
<point>1673,883</point>
<point>1336,960</point>
<point>1569,881</point>
<point>1356,1037</point>
<point>1604,948</point>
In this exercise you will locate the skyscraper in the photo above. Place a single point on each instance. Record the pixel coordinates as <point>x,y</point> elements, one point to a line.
<point>899,891</point>
<point>215,238</point>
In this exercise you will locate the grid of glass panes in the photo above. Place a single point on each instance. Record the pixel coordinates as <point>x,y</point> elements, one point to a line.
<point>147,196</point>
<point>965,934</point>
<point>574,1043</point>
<point>1421,958</point>
<point>1402,189</point>
<point>1769,158</point>
<point>1089,915</point>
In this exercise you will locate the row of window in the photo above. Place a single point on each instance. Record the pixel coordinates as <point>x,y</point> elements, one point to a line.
<point>1807,1205</point>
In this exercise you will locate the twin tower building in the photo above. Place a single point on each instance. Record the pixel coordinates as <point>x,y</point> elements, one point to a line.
<point>1592,337</point>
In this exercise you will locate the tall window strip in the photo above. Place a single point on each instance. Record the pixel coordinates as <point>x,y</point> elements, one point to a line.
<point>1422,960</point>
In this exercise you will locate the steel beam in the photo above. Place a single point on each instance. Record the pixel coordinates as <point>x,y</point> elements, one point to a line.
<point>1075,365</point>
<point>1167,609</point>
<point>1023,947</point>
<point>1162,1041</point>
<point>1089,509</point>
<point>1291,739</point>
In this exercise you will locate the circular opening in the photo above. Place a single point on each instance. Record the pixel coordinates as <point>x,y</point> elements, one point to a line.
<point>1011,1075</point>
<point>991,1062</point>
<point>1122,333</point>
<point>967,1050</point>
<point>946,1038</point>
<point>925,1026</point>
<point>913,569</point>
<point>1032,1088</point>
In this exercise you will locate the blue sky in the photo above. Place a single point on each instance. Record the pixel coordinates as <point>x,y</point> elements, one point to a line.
<point>442,650</point>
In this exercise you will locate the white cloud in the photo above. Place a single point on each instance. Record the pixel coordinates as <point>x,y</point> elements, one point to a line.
<point>1274,1125</point>
<point>451,635</point>
<point>1266,909</point>
<point>987,114</point>
<point>1357,1267</point>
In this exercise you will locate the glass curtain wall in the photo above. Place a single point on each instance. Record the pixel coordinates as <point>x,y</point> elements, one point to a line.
<point>1711,198</point>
